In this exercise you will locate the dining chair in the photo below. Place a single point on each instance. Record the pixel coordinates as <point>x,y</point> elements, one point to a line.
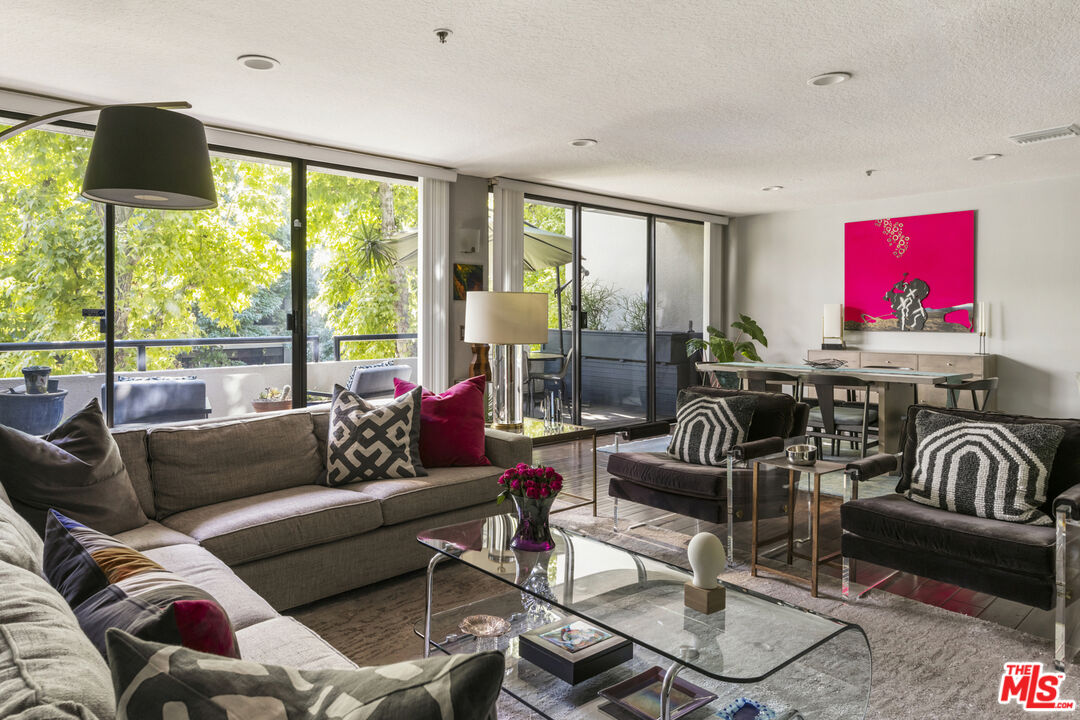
<point>986,386</point>
<point>835,419</point>
<point>559,377</point>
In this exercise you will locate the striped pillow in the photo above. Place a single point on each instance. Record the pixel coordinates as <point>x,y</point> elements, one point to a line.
<point>706,427</point>
<point>108,584</point>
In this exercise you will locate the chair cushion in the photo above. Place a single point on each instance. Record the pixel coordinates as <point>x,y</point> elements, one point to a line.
<point>197,565</point>
<point>846,416</point>
<point>895,520</point>
<point>377,379</point>
<point>774,415</point>
<point>451,423</point>
<point>442,490</point>
<point>250,528</point>
<point>706,428</point>
<point>109,585</point>
<point>1063,475</point>
<point>48,667</point>
<point>155,681</point>
<point>198,465</point>
<point>370,442</point>
<point>663,472</point>
<point>990,470</point>
<point>76,469</point>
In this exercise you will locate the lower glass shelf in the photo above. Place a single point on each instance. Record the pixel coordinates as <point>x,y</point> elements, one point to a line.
<point>815,688</point>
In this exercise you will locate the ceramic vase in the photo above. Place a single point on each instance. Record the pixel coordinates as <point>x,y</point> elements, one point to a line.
<point>533,532</point>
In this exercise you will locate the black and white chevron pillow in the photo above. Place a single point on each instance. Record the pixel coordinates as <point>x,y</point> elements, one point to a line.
<point>706,428</point>
<point>373,442</point>
<point>989,470</point>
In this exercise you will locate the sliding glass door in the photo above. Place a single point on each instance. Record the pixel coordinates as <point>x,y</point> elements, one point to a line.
<point>679,312</point>
<point>362,282</point>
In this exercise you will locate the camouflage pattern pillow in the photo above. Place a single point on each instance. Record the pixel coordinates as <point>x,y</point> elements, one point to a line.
<point>161,682</point>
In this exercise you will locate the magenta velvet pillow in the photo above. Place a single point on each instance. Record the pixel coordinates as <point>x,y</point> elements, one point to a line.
<point>451,424</point>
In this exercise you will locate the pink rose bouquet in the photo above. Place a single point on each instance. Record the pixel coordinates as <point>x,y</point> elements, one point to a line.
<point>530,482</point>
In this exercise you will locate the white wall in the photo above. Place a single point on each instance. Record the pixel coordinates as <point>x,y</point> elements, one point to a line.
<point>783,267</point>
<point>468,244</point>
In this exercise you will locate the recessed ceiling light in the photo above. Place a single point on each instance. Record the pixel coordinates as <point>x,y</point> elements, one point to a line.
<point>772,188</point>
<point>257,62</point>
<point>987,156</point>
<point>829,78</point>
<point>583,142</point>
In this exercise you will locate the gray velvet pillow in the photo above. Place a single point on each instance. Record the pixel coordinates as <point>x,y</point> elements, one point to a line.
<point>76,469</point>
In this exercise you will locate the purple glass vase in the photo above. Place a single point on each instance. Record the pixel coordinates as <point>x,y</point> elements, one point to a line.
<point>533,532</point>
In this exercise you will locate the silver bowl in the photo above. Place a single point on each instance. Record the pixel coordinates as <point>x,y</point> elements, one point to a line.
<point>802,454</point>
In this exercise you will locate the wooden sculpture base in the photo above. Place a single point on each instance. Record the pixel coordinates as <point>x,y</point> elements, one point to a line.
<point>702,600</point>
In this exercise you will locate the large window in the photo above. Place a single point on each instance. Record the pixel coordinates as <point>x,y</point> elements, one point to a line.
<point>362,274</point>
<point>202,300</point>
<point>680,283</point>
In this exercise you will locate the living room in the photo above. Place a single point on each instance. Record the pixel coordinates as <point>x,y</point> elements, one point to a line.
<point>565,361</point>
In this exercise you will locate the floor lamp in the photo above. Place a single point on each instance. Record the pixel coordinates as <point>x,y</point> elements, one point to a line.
<point>142,156</point>
<point>506,321</point>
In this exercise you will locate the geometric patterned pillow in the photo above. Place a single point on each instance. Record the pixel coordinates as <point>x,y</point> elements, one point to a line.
<point>706,427</point>
<point>158,682</point>
<point>989,470</point>
<point>109,585</point>
<point>373,443</point>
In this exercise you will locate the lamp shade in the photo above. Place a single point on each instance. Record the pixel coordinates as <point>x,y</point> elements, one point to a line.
<point>506,318</point>
<point>148,157</point>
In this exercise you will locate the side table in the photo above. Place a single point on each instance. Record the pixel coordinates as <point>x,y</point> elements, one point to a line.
<point>815,471</point>
<point>542,435</point>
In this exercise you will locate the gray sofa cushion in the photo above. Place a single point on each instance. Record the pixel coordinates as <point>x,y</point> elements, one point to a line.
<point>441,490</point>
<point>286,641</point>
<point>250,528</point>
<point>19,544</point>
<point>46,662</point>
<point>132,444</point>
<point>153,535</point>
<point>196,565</point>
<point>198,465</point>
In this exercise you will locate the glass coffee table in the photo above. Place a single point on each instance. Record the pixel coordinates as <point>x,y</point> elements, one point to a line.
<point>795,662</point>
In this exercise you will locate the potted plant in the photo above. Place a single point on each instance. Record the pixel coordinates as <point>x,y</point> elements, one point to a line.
<point>725,349</point>
<point>272,399</point>
<point>533,490</point>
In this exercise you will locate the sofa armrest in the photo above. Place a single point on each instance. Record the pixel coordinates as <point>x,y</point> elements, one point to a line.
<point>872,466</point>
<point>506,449</point>
<point>757,448</point>
<point>1070,501</point>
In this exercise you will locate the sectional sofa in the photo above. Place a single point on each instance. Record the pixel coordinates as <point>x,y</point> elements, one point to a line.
<point>236,508</point>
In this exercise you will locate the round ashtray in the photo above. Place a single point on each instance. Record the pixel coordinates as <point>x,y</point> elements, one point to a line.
<point>802,455</point>
<point>484,626</point>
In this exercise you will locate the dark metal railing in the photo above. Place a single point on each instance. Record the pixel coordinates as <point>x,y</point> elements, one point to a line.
<point>257,341</point>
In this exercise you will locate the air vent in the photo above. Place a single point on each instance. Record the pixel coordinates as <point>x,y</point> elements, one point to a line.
<point>1043,135</point>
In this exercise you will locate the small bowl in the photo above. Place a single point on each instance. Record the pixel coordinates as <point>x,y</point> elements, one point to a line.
<point>802,455</point>
<point>484,626</point>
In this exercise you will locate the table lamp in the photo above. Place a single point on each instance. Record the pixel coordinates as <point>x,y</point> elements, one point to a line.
<point>506,321</point>
<point>832,327</point>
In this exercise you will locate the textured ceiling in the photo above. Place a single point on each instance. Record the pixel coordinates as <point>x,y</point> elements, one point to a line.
<point>695,103</point>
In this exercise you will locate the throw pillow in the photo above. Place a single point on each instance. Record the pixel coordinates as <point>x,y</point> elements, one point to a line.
<point>706,428</point>
<point>985,469</point>
<point>451,423</point>
<point>108,584</point>
<point>373,442</point>
<point>76,468</point>
<point>158,681</point>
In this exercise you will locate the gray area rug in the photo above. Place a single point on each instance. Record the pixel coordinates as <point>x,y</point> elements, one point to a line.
<point>928,662</point>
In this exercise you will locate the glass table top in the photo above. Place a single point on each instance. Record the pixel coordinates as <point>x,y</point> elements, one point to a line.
<point>642,599</point>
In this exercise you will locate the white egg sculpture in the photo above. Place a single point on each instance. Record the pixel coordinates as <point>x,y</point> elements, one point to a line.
<point>707,558</point>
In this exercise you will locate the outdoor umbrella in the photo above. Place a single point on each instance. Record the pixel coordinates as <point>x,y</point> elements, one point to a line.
<point>543,249</point>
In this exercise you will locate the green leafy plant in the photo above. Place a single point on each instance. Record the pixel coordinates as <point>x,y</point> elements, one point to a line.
<point>724,349</point>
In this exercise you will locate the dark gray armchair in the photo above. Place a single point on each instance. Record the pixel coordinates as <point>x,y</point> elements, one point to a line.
<point>1031,564</point>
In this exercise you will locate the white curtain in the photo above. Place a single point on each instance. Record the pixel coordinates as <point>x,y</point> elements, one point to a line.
<point>433,272</point>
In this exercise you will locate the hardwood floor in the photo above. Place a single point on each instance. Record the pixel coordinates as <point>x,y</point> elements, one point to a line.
<point>574,463</point>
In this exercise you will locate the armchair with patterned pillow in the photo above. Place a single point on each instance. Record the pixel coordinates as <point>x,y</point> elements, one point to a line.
<point>987,501</point>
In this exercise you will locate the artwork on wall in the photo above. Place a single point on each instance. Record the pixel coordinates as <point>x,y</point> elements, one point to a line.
<point>466,278</point>
<point>910,273</point>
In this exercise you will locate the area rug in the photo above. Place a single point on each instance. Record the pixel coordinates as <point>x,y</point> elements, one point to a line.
<point>927,662</point>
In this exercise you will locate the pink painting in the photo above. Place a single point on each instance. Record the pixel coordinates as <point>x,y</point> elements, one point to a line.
<point>910,273</point>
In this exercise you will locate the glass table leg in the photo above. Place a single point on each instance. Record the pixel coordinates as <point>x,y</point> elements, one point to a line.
<point>435,560</point>
<point>665,690</point>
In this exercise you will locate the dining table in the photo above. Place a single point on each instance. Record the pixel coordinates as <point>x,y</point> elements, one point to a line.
<point>896,389</point>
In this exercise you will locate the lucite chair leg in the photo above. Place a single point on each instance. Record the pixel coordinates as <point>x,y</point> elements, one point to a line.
<point>1061,590</point>
<point>615,515</point>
